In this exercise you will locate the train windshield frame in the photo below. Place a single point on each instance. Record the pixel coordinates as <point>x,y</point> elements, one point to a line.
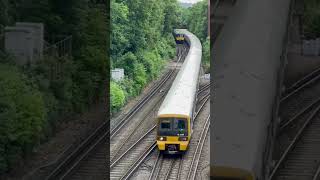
<point>173,127</point>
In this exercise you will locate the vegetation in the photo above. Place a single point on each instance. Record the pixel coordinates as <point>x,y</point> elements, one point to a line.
<point>22,114</point>
<point>196,21</point>
<point>33,99</point>
<point>141,43</point>
<point>311,19</point>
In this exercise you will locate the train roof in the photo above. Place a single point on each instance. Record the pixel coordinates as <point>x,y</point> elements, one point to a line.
<point>245,64</point>
<point>180,97</point>
<point>179,31</point>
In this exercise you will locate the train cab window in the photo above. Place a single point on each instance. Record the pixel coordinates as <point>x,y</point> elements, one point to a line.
<point>165,125</point>
<point>180,127</point>
<point>173,127</point>
<point>181,124</point>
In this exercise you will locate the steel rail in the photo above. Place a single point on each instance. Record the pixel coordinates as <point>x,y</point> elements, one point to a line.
<point>290,121</point>
<point>139,161</point>
<point>155,165</point>
<point>95,138</point>
<point>132,168</point>
<point>169,170</point>
<point>137,126</point>
<point>293,143</point>
<point>139,105</point>
<point>303,80</point>
<point>317,174</point>
<point>206,96</point>
<point>132,146</point>
<point>199,147</point>
<point>203,88</point>
<point>301,84</point>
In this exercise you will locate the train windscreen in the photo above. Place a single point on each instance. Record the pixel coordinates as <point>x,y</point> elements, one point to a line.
<point>173,127</point>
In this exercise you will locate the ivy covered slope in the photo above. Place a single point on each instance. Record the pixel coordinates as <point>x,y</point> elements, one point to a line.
<point>33,100</point>
<point>141,43</point>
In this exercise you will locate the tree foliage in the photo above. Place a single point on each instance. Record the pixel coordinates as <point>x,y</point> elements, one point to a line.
<point>40,95</point>
<point>141,40</point>
<point>311,19</point>
<point>196,21</point>
<point>22,115</point>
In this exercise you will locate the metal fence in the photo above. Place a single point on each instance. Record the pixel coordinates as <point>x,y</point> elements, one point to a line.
<point>58,46</point>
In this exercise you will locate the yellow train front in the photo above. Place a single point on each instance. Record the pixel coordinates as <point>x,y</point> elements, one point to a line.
<point>179,36</point>
<point>173,133</point>
<point>175,115</point>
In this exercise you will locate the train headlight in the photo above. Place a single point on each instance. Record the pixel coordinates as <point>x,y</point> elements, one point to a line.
<point>183,139</point>
<point>162,138</point>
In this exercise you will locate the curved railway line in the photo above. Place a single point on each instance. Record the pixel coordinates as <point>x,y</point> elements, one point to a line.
<point>88,159</point>
<point>299,137</point>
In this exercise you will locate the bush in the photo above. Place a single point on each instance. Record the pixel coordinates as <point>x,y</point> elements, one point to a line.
<point>22,115</point>
<point>117,97</point>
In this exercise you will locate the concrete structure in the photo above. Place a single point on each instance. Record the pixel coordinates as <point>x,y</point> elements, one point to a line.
<point>19,42</point>
<point>117,74</point>
<point>25,41</point>
<point>38,36</point>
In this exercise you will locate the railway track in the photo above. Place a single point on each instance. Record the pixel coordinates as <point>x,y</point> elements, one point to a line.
<point>171,167</point>
<point>129,162</point>
<point>298,137</point>
<point>300,95</point>
<point>301,159</point>
<point>125,137</point>
<point>166,167</point>
<point>126,164</point>
<point>198,151</point>
<point>203,167</point>
<point>88,159</point>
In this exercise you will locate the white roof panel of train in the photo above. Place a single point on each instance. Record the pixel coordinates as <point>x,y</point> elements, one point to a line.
<point>179,99</point>
<point>245,61</point>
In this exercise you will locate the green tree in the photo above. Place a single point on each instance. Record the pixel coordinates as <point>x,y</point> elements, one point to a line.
<point>22,115</point>
<point>197,20</point>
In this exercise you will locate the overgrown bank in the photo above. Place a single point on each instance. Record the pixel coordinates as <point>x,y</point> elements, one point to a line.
<point>196,21</point>
<point>34,99</point>
<point>141,41</point>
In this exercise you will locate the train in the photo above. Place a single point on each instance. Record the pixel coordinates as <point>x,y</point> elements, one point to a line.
<point>247,68</point>
<point>175,115</point>
<point>179,36</point>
